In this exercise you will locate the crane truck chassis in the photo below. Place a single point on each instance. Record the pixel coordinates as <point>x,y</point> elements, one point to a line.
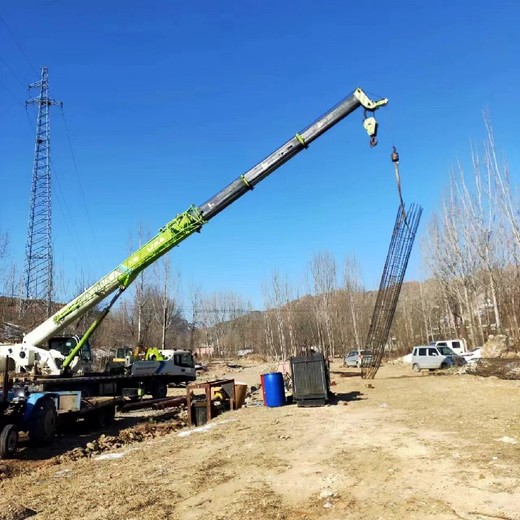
<point>68,370</point>
<point>143,377</point>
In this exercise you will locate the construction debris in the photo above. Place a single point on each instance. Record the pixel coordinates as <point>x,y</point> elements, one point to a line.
<point>132,435</point>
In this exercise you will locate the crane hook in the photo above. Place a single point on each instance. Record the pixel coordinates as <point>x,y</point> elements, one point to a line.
<point>370,125</point>
<point>395,160</point>
<point>395,155</point>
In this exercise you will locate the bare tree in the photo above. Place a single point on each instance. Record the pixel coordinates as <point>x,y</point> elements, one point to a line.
<point>4,242</point>
<point>220,314</point>
<point>165,304</point>
<point>195,318</point>
<point>354,290</point>
<point>269,336</point>
<point>279,301</point>
<point>448,252</point>
<point>508,201</point>
<point>142,316</point>
<point>276,344</point>
<point>473,249</point>
<point>323,274</point>
<point>480,206</point>
<point>12,282</point>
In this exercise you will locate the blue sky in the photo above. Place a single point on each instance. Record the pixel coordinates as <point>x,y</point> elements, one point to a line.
<point>167,102</point>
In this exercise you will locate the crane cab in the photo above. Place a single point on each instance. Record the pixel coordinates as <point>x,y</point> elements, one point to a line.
<point>64,345</point>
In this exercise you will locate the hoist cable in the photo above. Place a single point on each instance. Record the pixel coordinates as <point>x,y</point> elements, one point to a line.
<point>395,160</point>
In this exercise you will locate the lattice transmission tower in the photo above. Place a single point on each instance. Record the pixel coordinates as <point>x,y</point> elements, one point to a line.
<point>38,268</point>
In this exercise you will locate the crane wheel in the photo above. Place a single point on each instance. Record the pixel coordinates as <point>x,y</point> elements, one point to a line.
<point>42,424</point>
<point>8,441</point>
<point>159,389</point>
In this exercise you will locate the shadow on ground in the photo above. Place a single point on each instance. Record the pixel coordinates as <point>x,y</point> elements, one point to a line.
<point>346,397</point>
<point>345,374</point>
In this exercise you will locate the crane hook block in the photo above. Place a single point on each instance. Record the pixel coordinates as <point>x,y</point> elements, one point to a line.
<point>370,125</point>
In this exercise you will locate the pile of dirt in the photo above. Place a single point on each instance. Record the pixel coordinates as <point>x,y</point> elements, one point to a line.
<point>135,434</point>
<point>502,368</point>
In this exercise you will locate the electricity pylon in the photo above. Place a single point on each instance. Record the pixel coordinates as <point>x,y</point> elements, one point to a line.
<point>38,269</point>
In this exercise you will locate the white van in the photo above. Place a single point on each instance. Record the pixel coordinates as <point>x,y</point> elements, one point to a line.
<point>431,358</point>
<point>457,345</point>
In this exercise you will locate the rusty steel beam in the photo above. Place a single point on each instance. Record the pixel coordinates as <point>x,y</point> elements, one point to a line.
<point>170,403</point>
<point>145,403</point>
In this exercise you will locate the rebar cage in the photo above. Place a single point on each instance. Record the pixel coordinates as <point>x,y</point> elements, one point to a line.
<point>403,236</point>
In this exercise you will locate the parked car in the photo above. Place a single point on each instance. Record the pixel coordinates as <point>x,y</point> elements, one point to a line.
<point>357,358</point>
<point>432,358</point>
<point>473,356</point>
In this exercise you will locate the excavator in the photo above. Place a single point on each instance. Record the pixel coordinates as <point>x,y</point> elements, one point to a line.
<point>43,352</point>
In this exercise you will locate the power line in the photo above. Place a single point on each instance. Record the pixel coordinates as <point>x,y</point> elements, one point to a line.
<point>15,76</point>
<point>18,102</point>
<point>67,218</point>
<point>78,177</point>
<point>29,120</point>
<point>17,43</point>
<point>12,94</point>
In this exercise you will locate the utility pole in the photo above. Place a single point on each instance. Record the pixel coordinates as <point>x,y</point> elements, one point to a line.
<point>38,269</point>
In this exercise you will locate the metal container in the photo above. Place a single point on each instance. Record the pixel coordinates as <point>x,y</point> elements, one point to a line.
<point>199,413</point>
<point>310,380</point>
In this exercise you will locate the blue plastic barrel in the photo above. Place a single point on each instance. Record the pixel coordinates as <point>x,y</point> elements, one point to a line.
<point>274,393</point>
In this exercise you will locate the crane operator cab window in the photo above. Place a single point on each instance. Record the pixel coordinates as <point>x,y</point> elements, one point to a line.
<point>64,346</point>
<point>184,359</point>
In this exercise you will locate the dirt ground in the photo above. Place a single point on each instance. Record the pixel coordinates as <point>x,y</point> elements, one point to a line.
<point>402,446</point>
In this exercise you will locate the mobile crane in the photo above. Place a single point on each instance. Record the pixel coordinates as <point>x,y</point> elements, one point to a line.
<point>66,361</point>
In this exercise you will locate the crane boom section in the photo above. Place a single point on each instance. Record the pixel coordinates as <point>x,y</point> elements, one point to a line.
<point>184,224</point>
<point>287,151</point>
<point>122,276</point>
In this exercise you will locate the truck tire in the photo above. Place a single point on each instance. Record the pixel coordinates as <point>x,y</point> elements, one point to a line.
<point>109,415</point>
<point>100,418</point>
<point>8,441</point>
<point>42,423</point>
<point>416,367</point>
<point>159,389</point>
